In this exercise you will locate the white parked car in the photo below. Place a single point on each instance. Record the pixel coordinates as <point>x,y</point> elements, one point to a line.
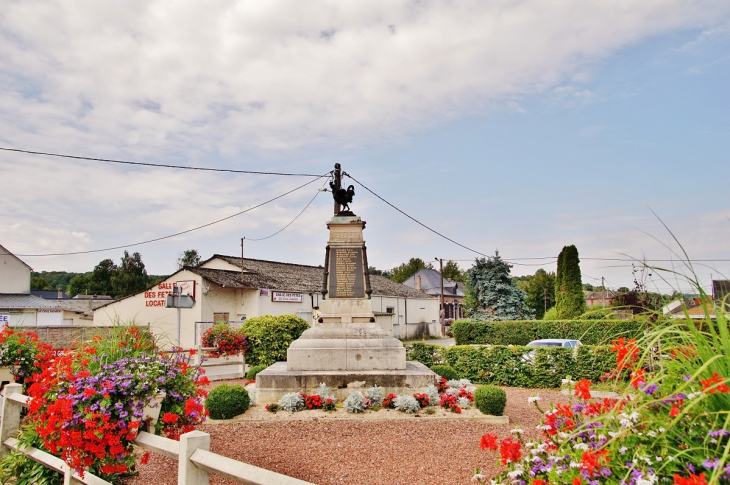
<point>550,342</point>
<point>554,342</point>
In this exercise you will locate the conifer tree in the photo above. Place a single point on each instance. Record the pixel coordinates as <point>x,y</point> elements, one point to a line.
<point>569,300</point>
<point>491,293</point>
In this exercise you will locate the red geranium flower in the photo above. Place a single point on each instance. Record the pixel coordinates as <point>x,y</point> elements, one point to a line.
<point>509,451</point>
<point>582,389</point>
<point>691,480</point>
<point>489,441</point>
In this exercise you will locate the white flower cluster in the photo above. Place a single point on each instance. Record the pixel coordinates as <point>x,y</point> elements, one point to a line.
<point>355,402</point>
<point>433,395</point>
<point>291,402</point>
<point>375,395</point>
<point>406,404</point>
<point>324,392</point>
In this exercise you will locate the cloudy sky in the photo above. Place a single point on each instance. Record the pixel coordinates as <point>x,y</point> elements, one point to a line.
<point>518,126</point>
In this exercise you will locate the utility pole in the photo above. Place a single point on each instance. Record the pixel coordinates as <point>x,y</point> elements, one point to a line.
<point>603,288</point>
<point>544,298</point>
<point>442,306</point>
<point>337,186</point>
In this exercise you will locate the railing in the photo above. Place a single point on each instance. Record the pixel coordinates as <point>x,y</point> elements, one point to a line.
<point>238,360</point>
<point>195,460</point>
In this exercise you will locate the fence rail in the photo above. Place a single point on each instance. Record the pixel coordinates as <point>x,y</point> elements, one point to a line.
<point>237,360</point>
<point>195,460</point>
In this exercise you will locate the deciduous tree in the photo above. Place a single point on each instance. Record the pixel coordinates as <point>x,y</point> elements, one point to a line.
<point>189,257</point>
<point>131,277</point>
<point>406,270</point>
<point>453,272</point>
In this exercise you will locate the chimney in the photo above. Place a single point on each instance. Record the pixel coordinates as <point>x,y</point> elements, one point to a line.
<point>60,293</point>
<point>418,282</point>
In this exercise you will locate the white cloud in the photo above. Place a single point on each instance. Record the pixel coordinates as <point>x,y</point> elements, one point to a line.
<point>280,74</point>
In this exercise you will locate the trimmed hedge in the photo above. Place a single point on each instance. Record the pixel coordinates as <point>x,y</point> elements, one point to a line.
<point>445,371</point>
<point>506,366</point>
<point>253,371</point>
<point>589,332</point>
<point>270,336</point>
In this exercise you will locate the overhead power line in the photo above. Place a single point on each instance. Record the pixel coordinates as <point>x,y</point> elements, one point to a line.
<point>290,223</point>
<point>158,165</point>
<point>413,218</point>
<point>181,232</point>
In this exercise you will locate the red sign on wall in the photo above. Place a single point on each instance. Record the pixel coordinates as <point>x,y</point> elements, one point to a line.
<point>157,296</point>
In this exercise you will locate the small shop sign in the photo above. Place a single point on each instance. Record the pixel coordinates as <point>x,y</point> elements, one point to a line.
<point>286,297</point>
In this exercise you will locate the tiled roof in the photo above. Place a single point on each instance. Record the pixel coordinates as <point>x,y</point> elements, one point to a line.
<point>291,277</point>
<point>431,283</point>
<point>22,300</point>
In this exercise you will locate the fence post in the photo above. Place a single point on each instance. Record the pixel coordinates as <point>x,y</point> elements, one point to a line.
<point>187,472</point>
<point>10,415</point>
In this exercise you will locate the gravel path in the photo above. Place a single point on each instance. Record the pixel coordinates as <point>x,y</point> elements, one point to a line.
<point>354,451</point>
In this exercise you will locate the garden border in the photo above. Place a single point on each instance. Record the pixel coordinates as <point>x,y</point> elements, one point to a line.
<point>195,460</point>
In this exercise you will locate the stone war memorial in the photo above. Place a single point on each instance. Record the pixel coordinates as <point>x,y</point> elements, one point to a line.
<point>345,348</point>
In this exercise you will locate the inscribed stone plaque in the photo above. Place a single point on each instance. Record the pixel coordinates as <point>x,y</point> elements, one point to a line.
<point>346,273</point>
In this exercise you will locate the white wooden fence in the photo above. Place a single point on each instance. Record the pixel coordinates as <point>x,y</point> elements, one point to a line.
<point>195,460</point>
<point>235,367</point>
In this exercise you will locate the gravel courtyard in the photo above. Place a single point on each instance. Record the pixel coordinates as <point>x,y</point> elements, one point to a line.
<point>411,450</point>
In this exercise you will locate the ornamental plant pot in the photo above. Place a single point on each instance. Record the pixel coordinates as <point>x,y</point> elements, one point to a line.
<point>6,375</point>
<point>152,410</point>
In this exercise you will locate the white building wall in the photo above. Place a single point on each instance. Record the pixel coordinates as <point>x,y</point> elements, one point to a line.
<point>14,274</point>
<point>149,307</point>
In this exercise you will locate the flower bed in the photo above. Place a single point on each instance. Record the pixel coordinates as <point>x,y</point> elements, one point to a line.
<point>670,424</point>
<point>226,340</point>
<point>88,403</point>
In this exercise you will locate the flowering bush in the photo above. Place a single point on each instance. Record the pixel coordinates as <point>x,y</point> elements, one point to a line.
<point>449,401</point>
<point>88,404</point>
<point>272,408</point>
<point>312,402</point>
<point>421,398</point>
<point>329,404</point>
<point>225,339</point>
<point>669,426</point>
<point>388,401</point>
<point>21,351</point>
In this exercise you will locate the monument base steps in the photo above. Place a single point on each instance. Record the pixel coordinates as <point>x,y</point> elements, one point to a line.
<point>275,381</point>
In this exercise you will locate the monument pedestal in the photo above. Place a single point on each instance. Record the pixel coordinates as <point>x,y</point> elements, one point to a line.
<point>345,349</point>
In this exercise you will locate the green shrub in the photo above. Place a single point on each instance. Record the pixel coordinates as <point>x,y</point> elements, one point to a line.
<point>252,371</point>
<point>270,336</point>
<point>551,314</point>
<point>445,371</point>
<point>426,354</point>
<point>225,402</point>
<point>490,400</point>
<point>589,332</point>
<point>546,367</point>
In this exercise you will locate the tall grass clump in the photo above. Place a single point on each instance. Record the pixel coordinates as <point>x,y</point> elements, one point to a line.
<point>670,425</point>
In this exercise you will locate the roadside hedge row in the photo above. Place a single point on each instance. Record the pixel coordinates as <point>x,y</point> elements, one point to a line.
<point>505,365</point>
<point>589,332</point>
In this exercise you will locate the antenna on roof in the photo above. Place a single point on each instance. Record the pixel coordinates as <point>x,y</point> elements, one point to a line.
<point>242,258</point>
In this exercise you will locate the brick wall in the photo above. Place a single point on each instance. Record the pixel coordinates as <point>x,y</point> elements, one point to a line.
<point>65,337</point>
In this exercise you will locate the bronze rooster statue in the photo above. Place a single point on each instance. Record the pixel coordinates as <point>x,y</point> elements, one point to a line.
<point>342,196</point>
